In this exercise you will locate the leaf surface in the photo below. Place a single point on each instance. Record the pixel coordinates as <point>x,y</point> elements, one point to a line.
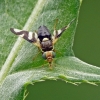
<point>17,67</point>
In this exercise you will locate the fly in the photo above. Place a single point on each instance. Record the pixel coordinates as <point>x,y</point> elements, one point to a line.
<point>43,40</point>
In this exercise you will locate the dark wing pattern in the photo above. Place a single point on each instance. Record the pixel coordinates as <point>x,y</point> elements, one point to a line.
<point>29,36</point>
<point>58,33</point>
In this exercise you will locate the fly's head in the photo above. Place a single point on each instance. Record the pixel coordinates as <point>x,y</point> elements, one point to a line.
<point>49,55</point>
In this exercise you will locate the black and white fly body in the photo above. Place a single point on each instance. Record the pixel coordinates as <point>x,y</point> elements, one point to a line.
<point>43,40</point>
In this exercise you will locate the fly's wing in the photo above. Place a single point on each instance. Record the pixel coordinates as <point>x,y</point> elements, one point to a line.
<point>58,33</point>
<point>29,36</point>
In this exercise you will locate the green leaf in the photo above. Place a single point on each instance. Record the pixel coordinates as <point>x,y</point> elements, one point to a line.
<point>18,69</point>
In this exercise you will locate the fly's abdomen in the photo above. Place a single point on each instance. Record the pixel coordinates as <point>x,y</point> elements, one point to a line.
<point>43,32</point>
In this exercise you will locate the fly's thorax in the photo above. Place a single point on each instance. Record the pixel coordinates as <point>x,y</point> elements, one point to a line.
<point>49,55</point>
<point>46,45</point>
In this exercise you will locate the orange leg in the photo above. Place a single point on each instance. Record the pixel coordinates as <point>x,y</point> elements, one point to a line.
<point>37,54</point>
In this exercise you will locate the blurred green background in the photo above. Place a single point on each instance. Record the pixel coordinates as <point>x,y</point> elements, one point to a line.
<point>87,48</point>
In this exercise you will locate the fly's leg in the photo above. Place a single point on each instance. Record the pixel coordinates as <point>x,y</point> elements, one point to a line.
<point>56,51</point>
<point>50,65</point>
<point>37,54</point>
<point>56,21</point>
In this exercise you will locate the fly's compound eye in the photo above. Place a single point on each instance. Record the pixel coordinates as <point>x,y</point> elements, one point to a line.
<point>44,55</point>
<point>50,54</point>
<point>53,54</point>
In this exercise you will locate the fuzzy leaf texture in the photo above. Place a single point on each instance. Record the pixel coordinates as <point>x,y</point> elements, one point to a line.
<point>17,67</point>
